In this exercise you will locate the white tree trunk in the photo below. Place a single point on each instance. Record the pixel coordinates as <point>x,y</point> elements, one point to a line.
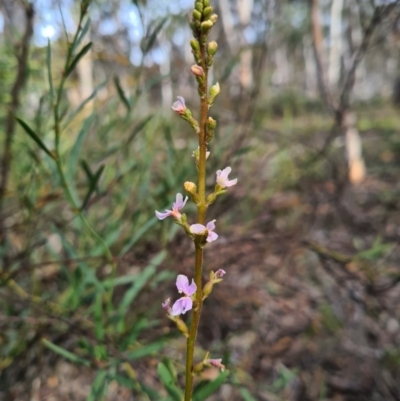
<point>245,8</point>
<point>335,51</point>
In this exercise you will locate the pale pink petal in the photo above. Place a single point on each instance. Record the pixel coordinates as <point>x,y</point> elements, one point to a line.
<point>179,202</point>
<point>191,289</point>
<point>179,106</point>
<point>182,283</point>
<point>163,215</point>
<point>230,183</point>
<point>181,306</point>
<point>210,225</point>
<point>197,229</point>
<point>212,236</point>
<point>220,273</point>
<point>222,178</point>
<point>217,363</point>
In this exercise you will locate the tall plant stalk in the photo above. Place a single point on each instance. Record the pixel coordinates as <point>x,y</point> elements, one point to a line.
<point>200,232</point>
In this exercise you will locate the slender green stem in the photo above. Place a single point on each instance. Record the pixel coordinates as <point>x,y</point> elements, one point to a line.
<point>57,130</point>
<point>201,218</point>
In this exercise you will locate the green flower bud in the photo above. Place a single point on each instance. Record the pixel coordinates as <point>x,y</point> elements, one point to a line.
<point>212,48</point>
<point>199,6</point>
<point>206,26</point>
<point>213,93</point>
<point>207,289</point>
<point>207,12</point>
<point>195,45</point>
<point>197,15</point>
<point>206,3</point>
<point>182,327</point>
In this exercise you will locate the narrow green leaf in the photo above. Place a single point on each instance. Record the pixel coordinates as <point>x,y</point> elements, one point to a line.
<point>146,350</point>
<point>246,394</point>
<point>121,94</point>
<point>138,284</point>
<point>87,170</point>
<point>83,33</point>
<point>168,382</point>
<point>48,62</point>
<point>138,128</point>
<point>210,388</point>
<point>34,136</point>
<point>76,149</point>
<point>83,104</point>
<point>149,41</point>
<point>75,61</point>
<point>138,234</point>
<point>99,386</point>
<point>64,353</point>
<point>93,185</point>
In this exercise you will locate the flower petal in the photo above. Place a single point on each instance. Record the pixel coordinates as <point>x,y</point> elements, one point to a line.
<point>191,289</point>
<point>179,202</point>
<point>181,306</point>
<point>182,283</point>
<point>210,225</point>
<point>163,215</point>
<point>212,236</point>
<point>230,183</point>
<point>197,229</point>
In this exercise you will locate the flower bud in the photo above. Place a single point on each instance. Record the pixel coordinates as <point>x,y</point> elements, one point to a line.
<point>207,12</point>
<point>199,6</point>
<point>196,15</point>
<point>211,123</point>
<point>207,289</point>
<point>206,3</point>
<point>190,187</point>
<point>212,48</point>
<point>213,18</point>
<point>197,71</point>
<point>211,198</point>
<point>206,26</point>
<point>167,305</point>
<point>213,93</point>
<point>220,273</point>
<point>179,106</point>
<point>216,363</point>
<point>182,327</point>
<point>195,45</point>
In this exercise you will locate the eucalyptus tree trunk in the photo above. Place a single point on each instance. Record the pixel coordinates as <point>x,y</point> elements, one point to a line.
<point>335,51</point>
<point>245,8</point>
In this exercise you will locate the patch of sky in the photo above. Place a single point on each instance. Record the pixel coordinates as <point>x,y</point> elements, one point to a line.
<point>108,27</point>
<point>1,22</point>
<point>250,34</point>
<point>136,56</point>
<point>179,37</point>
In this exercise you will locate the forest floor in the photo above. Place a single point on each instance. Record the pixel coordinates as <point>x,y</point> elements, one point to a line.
<point>310,306</point>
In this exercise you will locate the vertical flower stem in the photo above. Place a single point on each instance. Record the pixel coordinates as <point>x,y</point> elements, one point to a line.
<point>201,217</point>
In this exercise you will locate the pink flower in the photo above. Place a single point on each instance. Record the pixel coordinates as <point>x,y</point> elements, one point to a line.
<point>200,229</point>
<point>182,305</point>
<point>179,106</point>
<point>216,363</point>
<point>222,178</point>
<point>176,206</point>
<point>220,273</point>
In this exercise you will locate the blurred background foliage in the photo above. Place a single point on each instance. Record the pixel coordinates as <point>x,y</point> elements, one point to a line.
<point>291,72</point>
